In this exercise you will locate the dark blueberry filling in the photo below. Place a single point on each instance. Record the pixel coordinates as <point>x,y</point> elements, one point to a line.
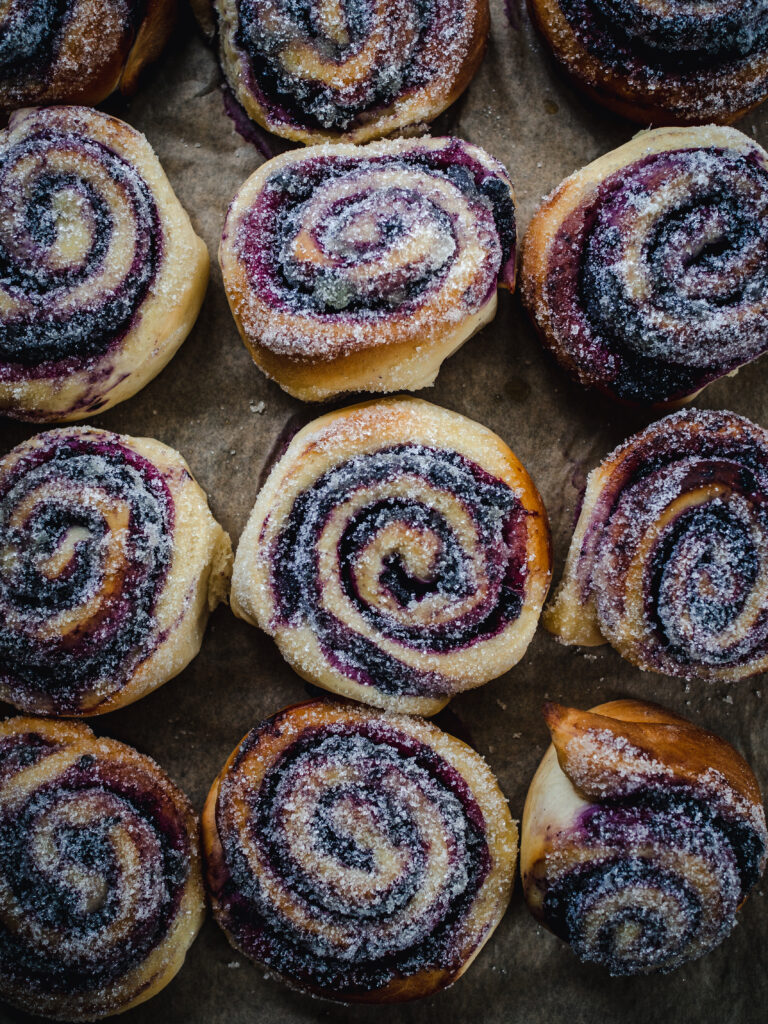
<point>379,755</point>
<point>500,524</point>
<point>318,105</point>
<point>704,257</point>
<point>88,849</point>
<point>39,332</point>
<point>630,35</point>
<point>109,646</point>
<point>266,232</point>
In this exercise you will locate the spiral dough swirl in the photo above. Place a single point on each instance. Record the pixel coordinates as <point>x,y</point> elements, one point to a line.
<point>669,562</point>
<point>326,70</point>
<point>89,541</point>
<point>93,247</point>
<point>663,61</point>
<point>647,272</point>
<point>100,883</point>
<point>357,855</point>
<point>362,268</point>
<point>388,563</point>
<point>640,866</point>
<point>77,51</point>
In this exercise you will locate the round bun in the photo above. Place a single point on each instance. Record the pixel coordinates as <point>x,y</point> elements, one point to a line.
<point>672,63</point>
<point>358,855</point>
<point>110,562</point>
<point>361,268</point>
<point>642,836</point>
<point>103,274</point>
<point>645,272</point>
<point>101,891</point>
<point>313,74</point>
<point>398,553</point>
<point>78,51</point>
<point>669,560</point>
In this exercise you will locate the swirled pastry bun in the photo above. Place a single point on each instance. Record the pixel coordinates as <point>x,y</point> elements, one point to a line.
<point>669,559</point>
<point>361,268</point>
<point>101,891</point>
<point>398,553</point>
<point>351,72</point>
<point>110,563</point>
<point>646,272</point>
<point>642,836</point>
<point>357,855</point>
<point>78,51</point>
<point>102,273</point>
<point>671,63</point>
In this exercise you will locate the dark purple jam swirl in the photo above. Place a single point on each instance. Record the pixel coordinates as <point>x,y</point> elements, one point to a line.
<point>80,248</point>
<point>690,498</point>
<point>477,589</point>
<point>669,870</point>
<point>659,284</point>
<point>678,36</point>
<point>94,859</point>
<point>86,533</point>
<point>359,857</point>
<point>373,236</point>
<point>336,73</point>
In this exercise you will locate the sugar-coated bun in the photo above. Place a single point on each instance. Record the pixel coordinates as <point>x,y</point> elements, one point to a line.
<point>669,559</point>
<point>103,274</point>
<point>78,51</point>
<point>361,268</point>
<point>358,855</point>
<point>665,63</point>
<point>398,553</point>
<point>110,563</point>
<point>101,891</point>
<point>351,72</point>
<point>642,836</point>
<point>645,272</point>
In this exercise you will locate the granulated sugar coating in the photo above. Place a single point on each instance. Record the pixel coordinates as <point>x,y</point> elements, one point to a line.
<point>361,268</point>
<point>100,880</point>
<point>669,558</point>
<point>673,63</point>
<point>357,855</point>
<point>650,856</point>
<point>76,51</point>
<point>109,563</point>
<point>101,274</point>
<point>353,70</point>
<point>391,570</point>
<point>654,275</point>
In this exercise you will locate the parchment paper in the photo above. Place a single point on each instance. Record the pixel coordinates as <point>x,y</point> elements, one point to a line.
<point>202,403</point>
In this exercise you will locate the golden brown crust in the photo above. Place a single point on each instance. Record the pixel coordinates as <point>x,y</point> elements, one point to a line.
<point>345,441</point>
<point>404,309</point>
<point>95,54</point>
<point>235,797</point>
<point>135,813</point>
<point>719,94</point>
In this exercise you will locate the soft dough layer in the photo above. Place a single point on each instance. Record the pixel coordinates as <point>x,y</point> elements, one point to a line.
<point>360,856</point>
<point>646,272</point>
<point>361,268</point>
<point>77,51</point>
<point>101,891</point>
<point>662,61</point>
<point>352,71</point>
<point>642,835</point>
<point>110,563</point>
<point>669,560</point>
<point>398,553</point>
<point>102,273</point>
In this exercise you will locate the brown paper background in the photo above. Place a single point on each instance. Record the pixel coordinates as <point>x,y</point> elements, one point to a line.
<point>525,114</point>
